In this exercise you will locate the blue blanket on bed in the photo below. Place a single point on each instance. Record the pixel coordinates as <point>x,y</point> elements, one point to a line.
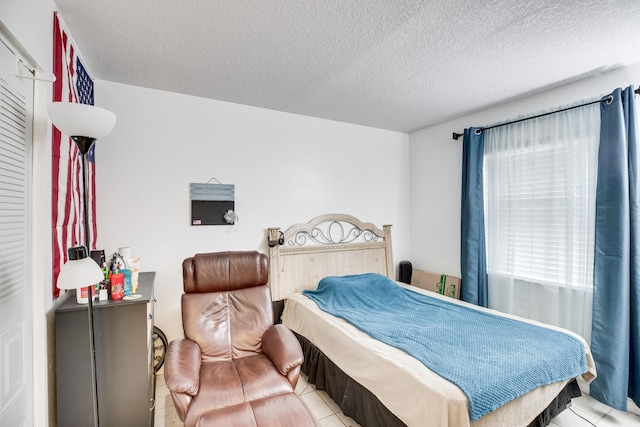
<point>493,359</point>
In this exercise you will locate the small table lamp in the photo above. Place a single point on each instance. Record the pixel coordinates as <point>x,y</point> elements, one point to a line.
<point>79,271</point>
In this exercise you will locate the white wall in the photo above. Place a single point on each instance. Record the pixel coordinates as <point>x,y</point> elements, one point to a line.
<point>31,23</point>
<point>436,167</point>
<point>286,169</point>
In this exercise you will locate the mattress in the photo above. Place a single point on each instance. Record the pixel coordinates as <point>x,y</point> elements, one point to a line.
<point>415,394</point>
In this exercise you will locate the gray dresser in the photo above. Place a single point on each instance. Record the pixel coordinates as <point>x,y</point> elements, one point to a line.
<point>124,361</point>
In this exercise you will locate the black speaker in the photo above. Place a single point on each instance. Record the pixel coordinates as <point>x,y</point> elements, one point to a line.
<point>406,269</point>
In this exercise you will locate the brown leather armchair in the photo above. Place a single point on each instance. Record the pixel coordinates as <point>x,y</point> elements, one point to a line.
<point>232,356</point>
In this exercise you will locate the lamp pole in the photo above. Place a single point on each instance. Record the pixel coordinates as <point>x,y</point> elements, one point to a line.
<point>84,144</point>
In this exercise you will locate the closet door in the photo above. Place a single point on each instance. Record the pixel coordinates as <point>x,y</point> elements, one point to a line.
<point>16,331</point>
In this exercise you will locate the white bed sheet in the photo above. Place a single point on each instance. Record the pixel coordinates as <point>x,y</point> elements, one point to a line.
<point>416,395</point>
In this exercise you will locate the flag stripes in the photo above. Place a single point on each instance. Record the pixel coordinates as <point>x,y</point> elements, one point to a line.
<point>73,84</point>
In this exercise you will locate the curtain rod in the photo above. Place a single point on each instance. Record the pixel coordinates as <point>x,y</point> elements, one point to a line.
<point>457,135</point>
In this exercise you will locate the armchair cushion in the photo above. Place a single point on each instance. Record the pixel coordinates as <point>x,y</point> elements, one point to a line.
<point>224,271</point>
<point>225,324</point>
<point>286,410</point>
<point>227,383</point>
<point>182,370</point>
<point>282,347</point>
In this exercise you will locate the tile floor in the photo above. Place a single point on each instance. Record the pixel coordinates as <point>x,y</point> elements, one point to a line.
<point>584,412</point>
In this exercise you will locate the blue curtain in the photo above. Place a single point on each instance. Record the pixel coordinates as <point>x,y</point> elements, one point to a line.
<point>473,255</point>
<point>615,341</point>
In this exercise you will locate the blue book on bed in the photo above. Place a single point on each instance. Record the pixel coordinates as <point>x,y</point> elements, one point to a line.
<point>493,359</point>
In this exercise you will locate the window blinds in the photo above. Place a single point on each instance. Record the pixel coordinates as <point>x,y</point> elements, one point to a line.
<point>540,180</point>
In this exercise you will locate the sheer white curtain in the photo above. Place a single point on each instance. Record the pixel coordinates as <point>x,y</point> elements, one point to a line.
<point>540,182</point>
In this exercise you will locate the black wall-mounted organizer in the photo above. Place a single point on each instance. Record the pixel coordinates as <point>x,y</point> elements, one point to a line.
<point>210,203</point>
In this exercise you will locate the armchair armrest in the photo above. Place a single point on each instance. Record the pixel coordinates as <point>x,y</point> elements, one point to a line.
<point>281,346</point>
<point>182,367</point>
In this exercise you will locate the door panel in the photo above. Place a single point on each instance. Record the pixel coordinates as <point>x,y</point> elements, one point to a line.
<point>16,333</point>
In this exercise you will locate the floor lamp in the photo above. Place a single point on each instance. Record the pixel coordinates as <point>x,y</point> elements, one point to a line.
<point>84,124</point>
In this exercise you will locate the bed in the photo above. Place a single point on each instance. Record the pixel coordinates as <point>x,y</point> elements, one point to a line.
<point>375,383</point>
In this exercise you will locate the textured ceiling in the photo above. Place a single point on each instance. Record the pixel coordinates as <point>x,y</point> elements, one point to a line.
<point>390,64</point>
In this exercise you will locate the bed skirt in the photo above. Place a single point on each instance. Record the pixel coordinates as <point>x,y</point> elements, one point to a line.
<point>360,404</point>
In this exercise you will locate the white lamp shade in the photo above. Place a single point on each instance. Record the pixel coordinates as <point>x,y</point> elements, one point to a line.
<point>79,273</point>
<point>74,119</point>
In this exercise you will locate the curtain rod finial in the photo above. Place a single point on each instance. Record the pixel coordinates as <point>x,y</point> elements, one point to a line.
<point>457,136</point>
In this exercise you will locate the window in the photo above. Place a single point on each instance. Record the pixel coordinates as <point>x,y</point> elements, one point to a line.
<point>539,185</point>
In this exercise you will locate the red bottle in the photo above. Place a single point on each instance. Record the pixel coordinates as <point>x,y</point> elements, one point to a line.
<point>117,286</point>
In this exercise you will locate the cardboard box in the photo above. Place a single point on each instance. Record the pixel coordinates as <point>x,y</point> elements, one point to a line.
<point>439,283</point>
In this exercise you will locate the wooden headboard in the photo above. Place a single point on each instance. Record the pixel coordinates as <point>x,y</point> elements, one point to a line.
<point>328,245</point>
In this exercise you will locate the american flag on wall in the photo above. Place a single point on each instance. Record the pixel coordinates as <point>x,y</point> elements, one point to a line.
<point>73,84</point>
